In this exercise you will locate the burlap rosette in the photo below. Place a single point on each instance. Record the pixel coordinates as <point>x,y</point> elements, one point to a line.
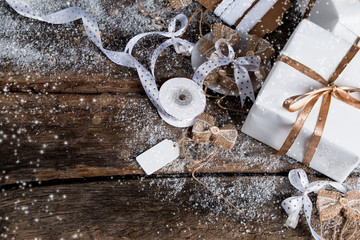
<point>224,76</point>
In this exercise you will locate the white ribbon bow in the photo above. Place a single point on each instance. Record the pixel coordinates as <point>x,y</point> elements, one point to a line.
<point>293,205</point>
<point>242,66</point>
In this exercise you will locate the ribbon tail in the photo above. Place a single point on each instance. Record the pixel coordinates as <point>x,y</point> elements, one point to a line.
<point>293,219</point>
<point>244,84</point>
<point>308,210</point>
<point>296,128</point>
<point>292,207</point>
<point>188,46</point>
<point>319,128</point>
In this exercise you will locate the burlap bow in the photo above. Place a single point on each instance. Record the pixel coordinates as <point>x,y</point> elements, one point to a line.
<point>293,205</point>
<point>307,101</point>
<point>204,129</point>
<point>331,204</point>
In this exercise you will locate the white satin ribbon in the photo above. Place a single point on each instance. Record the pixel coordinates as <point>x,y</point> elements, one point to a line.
<point>242,66</point>
<point>293,205</point>
<point>122,58</point>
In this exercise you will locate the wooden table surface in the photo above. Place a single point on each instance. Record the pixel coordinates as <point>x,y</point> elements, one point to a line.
<point>72,123</point>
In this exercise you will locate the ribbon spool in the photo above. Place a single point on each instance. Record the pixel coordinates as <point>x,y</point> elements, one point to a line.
<point>180,100</point>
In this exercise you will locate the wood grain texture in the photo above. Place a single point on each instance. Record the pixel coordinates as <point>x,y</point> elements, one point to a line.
<point>57,136</point>
<point>150,209</point>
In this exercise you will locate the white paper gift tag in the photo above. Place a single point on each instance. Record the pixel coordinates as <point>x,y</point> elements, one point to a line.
<point>158,156</point>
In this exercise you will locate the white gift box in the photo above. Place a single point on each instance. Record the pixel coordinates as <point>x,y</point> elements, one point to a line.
<point>338,151</point>
<point>342,17</point>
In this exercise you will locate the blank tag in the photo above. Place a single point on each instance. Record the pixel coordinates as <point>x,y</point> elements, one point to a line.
<point>158,156</point>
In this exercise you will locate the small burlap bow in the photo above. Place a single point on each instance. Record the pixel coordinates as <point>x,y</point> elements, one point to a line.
<point>204,131</point>
<point>331,204</point>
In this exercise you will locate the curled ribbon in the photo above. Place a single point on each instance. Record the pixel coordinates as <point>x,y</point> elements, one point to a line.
<point>293,205</point>
<point>242,66</point>
<point>307,101</point>
<point>122,58</point>
<point>180,45</point>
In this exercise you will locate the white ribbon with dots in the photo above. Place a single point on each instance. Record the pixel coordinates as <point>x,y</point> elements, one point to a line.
<point>122,58</point>
<point>293,205</point>
<point>181,45</point>
<point>148,79</point>
<point>242,66</point>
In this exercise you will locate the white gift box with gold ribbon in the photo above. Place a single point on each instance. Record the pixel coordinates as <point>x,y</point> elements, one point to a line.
<point>342,17</point>
<point>338,151</point>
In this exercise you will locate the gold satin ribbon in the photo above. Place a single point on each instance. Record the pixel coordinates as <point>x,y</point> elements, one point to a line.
<point>305,102</point>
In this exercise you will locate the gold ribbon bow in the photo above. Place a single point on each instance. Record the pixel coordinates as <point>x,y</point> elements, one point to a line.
<point>330,205</point>
<point>306,102</point>
<point>204,129</point>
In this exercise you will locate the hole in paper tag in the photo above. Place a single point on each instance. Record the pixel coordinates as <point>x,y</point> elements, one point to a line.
<point>158,156</point>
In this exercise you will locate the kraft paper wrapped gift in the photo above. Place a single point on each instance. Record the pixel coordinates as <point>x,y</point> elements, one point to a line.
<point>268,121</point>
<point>256,17</point>
<point>342,17</point>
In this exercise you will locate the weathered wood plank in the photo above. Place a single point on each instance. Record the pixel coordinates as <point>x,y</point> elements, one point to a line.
<point>152,209</point>
<point>54,136</point>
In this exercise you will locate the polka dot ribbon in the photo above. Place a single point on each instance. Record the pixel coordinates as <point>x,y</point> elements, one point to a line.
<point>242,66</point>
<point>148,79</point>
<point>180,45</point>
<point>293,205</point>
<point>122,58</point>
